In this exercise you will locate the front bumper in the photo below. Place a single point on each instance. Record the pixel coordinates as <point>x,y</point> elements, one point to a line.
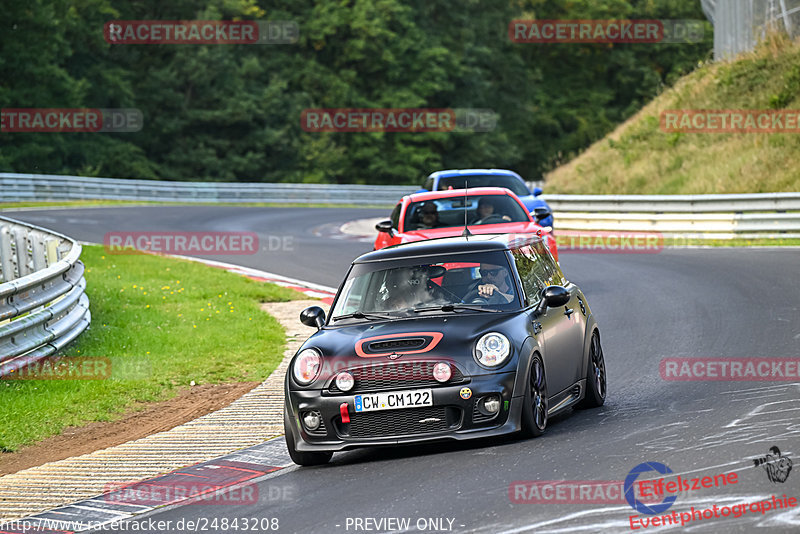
<point>451,417</point>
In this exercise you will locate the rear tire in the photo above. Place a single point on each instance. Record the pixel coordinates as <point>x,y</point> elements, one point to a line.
<point>300,457</point>
<point>595,376</point>
<point>534,410</point>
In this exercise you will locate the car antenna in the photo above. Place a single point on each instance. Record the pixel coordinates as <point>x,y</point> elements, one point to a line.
<point>466,233</point>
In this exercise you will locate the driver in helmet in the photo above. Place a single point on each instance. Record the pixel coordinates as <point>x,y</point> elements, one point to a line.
<point>409,287</point>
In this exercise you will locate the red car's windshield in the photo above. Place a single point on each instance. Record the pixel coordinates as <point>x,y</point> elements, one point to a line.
<point>449,212</point>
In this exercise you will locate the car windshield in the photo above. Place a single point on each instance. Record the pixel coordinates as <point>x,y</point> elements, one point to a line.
<point>406,288</point>
<point>449,212</point>
<point>484,180</point>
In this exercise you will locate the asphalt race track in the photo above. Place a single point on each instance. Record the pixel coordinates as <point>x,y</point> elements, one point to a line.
<point>724,303</point>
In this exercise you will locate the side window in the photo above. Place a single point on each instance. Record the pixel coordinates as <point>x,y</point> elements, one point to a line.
<point>395,217</point>
<point>428,184</point>
<point>546,266</point>
<point>351,298</point>
<point>532,283</point>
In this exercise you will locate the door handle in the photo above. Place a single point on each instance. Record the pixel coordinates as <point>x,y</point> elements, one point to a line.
<point>568,311</point>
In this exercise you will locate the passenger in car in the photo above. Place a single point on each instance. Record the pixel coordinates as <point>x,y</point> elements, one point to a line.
<point>409,288</point>
<point>429,215</point>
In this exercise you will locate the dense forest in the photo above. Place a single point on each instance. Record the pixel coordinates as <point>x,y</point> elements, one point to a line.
<point>233,112</point>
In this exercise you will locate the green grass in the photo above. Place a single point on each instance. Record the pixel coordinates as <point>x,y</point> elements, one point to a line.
<point>640,158</point>
<point>162,323</point>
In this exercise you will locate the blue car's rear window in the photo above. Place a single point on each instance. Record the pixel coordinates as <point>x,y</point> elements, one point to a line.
<point>484,180</point>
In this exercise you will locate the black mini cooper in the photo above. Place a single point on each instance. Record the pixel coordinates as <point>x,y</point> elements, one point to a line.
<point>454,338</point>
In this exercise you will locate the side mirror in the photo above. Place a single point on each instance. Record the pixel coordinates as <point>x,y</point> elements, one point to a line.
<point>540,214</point>
<point>537,191</point>
<point>552,297</point>
<point>313,316</point>
<point>385,226</point>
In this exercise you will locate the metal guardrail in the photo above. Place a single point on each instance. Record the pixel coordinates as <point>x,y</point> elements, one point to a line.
<point>40,187</point>
<point>766,215</point>
<point>676,203</point>
<point>43,305</point>
<point>713,216</point>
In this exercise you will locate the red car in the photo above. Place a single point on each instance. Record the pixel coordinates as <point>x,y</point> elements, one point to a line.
<point>435,214</point>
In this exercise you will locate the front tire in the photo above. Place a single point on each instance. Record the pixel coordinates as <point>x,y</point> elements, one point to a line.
<point>534,411</point>
<point>300,457</point>
<point>595,375</point>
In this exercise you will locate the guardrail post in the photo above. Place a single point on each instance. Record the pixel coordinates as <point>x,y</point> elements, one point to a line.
<point>20,255</point>
<point>6,255</point>
<point>51,251</point>
<point>37,251</point>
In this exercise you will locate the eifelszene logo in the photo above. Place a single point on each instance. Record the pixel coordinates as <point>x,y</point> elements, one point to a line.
<point>636,504</point>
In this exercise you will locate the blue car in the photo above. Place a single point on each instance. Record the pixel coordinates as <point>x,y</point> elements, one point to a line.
<point>457,179</point>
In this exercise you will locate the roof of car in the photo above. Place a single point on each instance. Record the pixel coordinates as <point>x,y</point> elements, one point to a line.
<point>473,172</point>
<point>449,245</point>
<point>448,193</point>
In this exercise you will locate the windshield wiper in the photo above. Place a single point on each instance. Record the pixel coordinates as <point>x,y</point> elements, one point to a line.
<point>454,307</point>
<point>359,315</point>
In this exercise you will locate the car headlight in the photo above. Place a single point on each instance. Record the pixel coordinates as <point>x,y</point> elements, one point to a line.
<point>307,366</point>
<point>492,349</point>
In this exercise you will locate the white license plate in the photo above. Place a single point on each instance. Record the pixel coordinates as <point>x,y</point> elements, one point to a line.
<point>395,400</point>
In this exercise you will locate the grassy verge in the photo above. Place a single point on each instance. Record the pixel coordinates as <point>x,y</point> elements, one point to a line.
<point>162,323</point>
<point>640,158</point>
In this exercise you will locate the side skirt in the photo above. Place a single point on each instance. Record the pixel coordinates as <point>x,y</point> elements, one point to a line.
<point>563,400</point>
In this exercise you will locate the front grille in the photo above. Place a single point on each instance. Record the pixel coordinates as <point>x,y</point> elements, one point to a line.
<point>396,376</point>
<point>401,422</point>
